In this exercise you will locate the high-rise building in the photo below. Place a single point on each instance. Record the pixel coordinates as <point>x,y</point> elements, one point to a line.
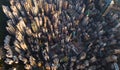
<point>109,5</point>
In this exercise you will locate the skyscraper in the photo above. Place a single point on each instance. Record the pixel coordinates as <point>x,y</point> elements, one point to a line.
<point>110,5</point>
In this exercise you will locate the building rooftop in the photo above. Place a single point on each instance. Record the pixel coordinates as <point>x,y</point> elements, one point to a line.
<point>117,2</point>
<point>110,5</point>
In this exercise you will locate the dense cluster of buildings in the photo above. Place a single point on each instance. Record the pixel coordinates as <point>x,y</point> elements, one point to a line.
<point>61,34</point>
